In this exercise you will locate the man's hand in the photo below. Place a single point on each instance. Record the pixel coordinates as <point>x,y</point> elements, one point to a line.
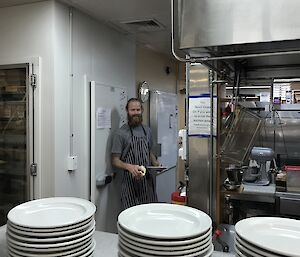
<point>134,170</point>
<point>153,159</point>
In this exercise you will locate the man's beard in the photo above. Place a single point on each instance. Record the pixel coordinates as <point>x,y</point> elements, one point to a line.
<point>135,120</point>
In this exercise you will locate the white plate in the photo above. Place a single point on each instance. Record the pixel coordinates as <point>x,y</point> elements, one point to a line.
<point>50,234</point>
<point>51,212</point>
<point>164,221</point>
<point>80,250</point>
<point>253,248</point>
<point>83,253</point>
<point>277,235</point>
<point>239,252</point>
<point>47,247</point>
<point>164,242</point>
<point>73,247</point>
<point>140,254</point>
<point>165,247</point>
<point>124,244</point>
<point>246,251</point>
<point>51,239</point>
<point>50,230</point>
<point>210,252</point>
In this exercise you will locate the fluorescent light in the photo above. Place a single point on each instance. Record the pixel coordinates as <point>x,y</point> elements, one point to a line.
<point>251,87</point>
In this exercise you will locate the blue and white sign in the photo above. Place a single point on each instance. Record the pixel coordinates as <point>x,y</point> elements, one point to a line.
<point>199,115</point>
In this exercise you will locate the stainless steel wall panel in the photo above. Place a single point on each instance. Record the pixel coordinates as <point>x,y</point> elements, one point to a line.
<point>199,173</point>
<point>205,23</point>
<point>199,151</point>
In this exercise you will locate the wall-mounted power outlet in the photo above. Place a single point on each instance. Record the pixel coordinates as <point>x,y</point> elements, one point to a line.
<point>72,163</point>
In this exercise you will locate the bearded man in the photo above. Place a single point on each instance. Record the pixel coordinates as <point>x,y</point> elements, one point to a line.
<point>131,152</point>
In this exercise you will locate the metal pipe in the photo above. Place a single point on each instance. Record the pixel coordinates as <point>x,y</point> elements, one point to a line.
<point>172,34</point>
<point>71,135</point>
<point>237,83</point>
<point>250,87</point>
<point>219,81</point>
<point>187,58</point>
<point>231,57</point>
<point>215,69</point>
<point>187,95</point>
<point>211,150</point>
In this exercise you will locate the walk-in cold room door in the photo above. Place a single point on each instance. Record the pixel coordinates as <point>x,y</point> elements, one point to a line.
<point>14,137</point>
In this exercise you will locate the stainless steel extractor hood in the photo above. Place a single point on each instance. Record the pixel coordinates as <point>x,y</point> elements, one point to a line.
<point>223,27</point>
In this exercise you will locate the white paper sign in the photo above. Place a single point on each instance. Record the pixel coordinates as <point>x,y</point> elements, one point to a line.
<point>264,96</point>
<point>123,112</point>
<point>103,118</point>
<point>199,115</point>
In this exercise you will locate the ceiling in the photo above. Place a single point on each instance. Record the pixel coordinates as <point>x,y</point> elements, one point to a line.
<point>116,13</point>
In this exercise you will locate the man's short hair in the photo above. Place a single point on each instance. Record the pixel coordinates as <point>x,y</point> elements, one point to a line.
<point>134,100</point>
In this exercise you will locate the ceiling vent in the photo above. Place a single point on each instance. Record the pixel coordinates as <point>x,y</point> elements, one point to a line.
<point>138,26</point>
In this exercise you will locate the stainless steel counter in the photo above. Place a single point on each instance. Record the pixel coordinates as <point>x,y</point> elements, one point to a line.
<point>107,245</point>
<point>288,203</point>
<point>253,193</point>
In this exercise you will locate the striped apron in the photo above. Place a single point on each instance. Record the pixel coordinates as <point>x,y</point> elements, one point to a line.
<point>137,191</point>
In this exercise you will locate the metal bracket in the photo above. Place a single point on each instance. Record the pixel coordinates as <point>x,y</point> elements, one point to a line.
<point>33,169</point>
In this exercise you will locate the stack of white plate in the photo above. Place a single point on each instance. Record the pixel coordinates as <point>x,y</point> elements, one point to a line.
<point>59,226</point>
<point>159,229</point>
<point>267,236</point>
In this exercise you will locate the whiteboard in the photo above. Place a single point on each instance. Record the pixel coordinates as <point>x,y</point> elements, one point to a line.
<point>113,101</point>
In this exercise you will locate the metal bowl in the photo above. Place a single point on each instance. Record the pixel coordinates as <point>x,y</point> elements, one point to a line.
<point>235,174</point>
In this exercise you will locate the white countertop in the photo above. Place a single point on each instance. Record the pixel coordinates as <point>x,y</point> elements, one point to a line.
<point>107,245</point>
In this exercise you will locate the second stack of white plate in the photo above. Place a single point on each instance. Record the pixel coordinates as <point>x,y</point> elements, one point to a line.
<point>58,226</point>
<point>267,236</point>
<point>159,229</point>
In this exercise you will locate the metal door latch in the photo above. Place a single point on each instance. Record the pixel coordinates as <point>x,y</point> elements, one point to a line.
<point>33,169</point>
<point>33,80</point>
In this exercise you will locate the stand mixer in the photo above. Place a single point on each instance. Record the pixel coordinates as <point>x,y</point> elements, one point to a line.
<point>261,177</point>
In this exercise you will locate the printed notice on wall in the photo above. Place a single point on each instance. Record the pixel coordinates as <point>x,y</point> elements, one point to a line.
<point>103,118</point>
<point>200,117</point>
<point>123,112</point>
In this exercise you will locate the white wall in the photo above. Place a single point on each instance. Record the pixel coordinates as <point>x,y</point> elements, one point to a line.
<point>27,31</point>
<point>100,54</point>
<point>61,87</point>
<point>151,66</point>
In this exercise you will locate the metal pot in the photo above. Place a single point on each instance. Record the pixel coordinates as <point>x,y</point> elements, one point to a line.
<point>235,174</point>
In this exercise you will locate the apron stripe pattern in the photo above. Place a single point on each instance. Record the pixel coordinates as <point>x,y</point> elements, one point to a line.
<point>137,191</point>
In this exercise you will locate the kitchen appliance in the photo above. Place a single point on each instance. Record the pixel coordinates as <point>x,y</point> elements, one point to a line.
<point>259,176</point>
<point>235,175</point>
<point>246,56</point>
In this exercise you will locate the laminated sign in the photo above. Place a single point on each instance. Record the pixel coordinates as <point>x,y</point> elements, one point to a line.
<point>200,116</point>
